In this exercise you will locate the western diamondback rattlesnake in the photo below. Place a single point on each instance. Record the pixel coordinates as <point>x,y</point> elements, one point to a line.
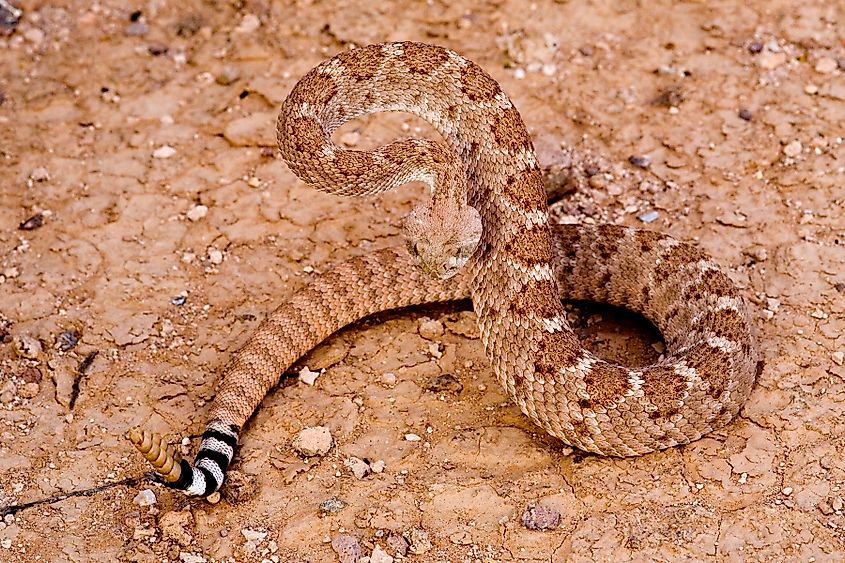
<point>487,225</point>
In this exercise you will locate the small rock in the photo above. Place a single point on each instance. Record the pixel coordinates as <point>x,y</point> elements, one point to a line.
<point>34,36</point>
<point>811,89</point>
<point>197,212</point>
<point>838,357</point>
<point>145,497</point>
<point>165,151</point>
<point>227,75</point>
<point>10,273</point>
<point>307,376</point>
<point>185,557</point>
<point>256,536</point>
<point>31,375</point>
<point>67,340</point>
<point>347,548</point>
<point>412,438</point>
<point>213,498</point>
<point>639,161</point>
<point>175,526</point>
<point>29,390</point>
<point>649,216</point>
<point>430,328</point>
<point>332,505</point>
<point>358,467</point>
<point>419,542</point>
<point>769,60</point>
<point>8,392</point>
<point>787,491</point>
<point>32,223</point>
<point>539,517</point>
<point>755,47</point>
<point>137,29</point>
<point>745,114</point>
<point>758,253</point>
<point>389,379</point>
<point>398,544</point>
<point>249,23</point>
<point>39,174</point>
<point>793,149</point>
<point>444,383</point>
<point>63,378</point>
<point>215,256</point>
<point>179,300</point>
<point>316,440</point>
<point>27,347</point>
<point>377,466</point>
<point>379,556</point>
<point>826,65</point>
<point>240,487</point>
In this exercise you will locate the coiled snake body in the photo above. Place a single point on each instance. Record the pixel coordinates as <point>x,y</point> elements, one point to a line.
<point>486,233</point>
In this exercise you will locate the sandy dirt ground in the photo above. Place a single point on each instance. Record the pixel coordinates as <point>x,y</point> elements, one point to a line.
<point>147,226</point>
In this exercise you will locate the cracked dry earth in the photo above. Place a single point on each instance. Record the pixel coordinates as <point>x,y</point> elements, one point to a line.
<point>145,218</point>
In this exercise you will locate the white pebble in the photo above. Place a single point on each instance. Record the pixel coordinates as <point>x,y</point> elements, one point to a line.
<point>165,151</point>
<point>253,535</point>
<point>838,358</point>
<point>787,491</point>
<point>412,438</point>
<point>793,149</point>
<point>379,556</point>
<point>215,256</point>
<point>316,440</point>
<point>197,212</point>
<point>145,497</point>
<point>825,65</point>
<point>377,466</point>
<point>36,36</point>
<point>389,379</point>
<point>248,24</point>
<point>307,376</point>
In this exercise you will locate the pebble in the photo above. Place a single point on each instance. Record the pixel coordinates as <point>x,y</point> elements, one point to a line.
<point>379,556</point>
<point>412,438</point>
<point>755,47</point>
<point>419,542</point>
<point>67,340</point>
<point>649,216</point>
<point>347,548</point>
<point>29,390</point>
<point>358,467</point>
<point>185,557</point>
<point>8,392</point>
<point>249,23</point>
<point>389,379</point>
<point>793,149</point>
<point>315,440</point>
<point>39,174</point>
<point>145,497</point>
<point>32,223</point>
<point>164,151</point>
<point>838,358</point>
<point>227,75</point>
<point>377,466</point>
<point>27,347</point>
<point>826,65</point>
<point>34,36</point>
<point>31,375</point>
<point>430,328</point>
<point>256,536</point>
<point>215,256</point>
<point>811,89</point>
<point>179,300</point>
<point>137,29</point>
<point>332,505</point>
<point>63,378</point>
<point>197,212</point>
<point>10,273</point>
<point>445,382</point>
<point>639,161</point>
<point>539,517</point>
<point>307,376</point>
<point>745,114</point>
<point>398,544</point>
<point>214,497</point>
<point>787,491</point>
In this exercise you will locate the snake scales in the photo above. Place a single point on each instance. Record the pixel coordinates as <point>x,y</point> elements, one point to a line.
<point>485,233</point>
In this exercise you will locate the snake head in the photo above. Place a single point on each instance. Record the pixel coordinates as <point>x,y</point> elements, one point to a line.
<point>442,240</point>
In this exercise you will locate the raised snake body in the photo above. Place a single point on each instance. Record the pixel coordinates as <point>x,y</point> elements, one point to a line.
<point>487,223</point>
